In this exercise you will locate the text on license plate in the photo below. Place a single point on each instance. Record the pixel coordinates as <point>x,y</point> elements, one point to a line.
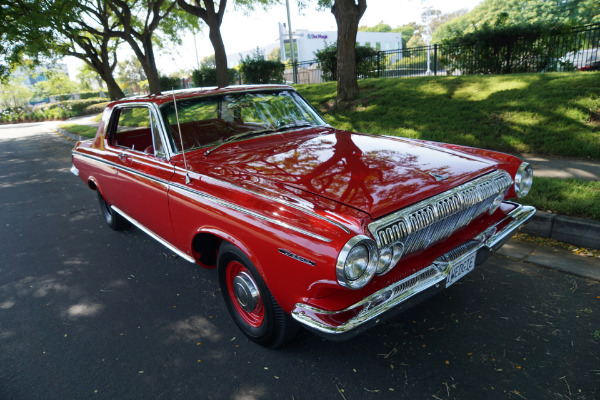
<point>461,269</point>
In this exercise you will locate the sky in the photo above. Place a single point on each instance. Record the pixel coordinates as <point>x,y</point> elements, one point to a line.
<point>260,28</point>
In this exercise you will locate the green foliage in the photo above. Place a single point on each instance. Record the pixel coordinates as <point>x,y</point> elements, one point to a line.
<point>257,69</point>
<point>506,48</point>
<point>207,76</point>
<point>366,61</point>
<point>53,111</point>
<point>169,82</point>
<point>57,84</point>
<point>380,27</point>
<point>522,12</point>
<point>407,30</point>
<point>13,95</point>
<point>94,108</point>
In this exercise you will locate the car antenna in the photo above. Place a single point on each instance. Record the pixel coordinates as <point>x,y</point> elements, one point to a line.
<point>187,174</point>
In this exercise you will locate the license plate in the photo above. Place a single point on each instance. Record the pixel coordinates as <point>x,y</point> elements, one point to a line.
<point>461,269</point>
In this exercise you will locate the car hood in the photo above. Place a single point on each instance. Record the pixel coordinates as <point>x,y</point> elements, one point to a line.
<point>374,174</point>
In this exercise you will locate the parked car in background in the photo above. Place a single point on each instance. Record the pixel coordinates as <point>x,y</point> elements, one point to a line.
<point>584,60</point>
<point>307,225</point>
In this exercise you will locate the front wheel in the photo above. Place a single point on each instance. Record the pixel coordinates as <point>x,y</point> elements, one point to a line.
<point>250,302</point>
<point>112,218</point>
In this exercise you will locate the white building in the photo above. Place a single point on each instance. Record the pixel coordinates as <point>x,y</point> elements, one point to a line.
<point>306,42</point>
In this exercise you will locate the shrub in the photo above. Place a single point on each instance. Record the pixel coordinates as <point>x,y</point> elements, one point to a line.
<point>94,108</point>
<point>257,69</point>
<point>366,61</point>
<point>169,82</point>
<point>503,49</point>
<point>207,76</point>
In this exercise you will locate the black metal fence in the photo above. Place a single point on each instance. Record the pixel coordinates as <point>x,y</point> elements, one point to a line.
<point>575,49</point>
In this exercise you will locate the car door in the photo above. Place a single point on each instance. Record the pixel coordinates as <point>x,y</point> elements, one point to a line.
<point>142,171</point>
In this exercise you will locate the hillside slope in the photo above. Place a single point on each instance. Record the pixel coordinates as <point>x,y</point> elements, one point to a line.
<point>556,114</point>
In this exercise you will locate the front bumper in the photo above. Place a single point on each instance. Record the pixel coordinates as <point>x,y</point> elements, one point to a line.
<point>402,295</point>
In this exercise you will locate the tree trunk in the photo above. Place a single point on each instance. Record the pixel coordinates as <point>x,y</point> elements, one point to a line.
<point>213,18</point>
<point>347,16</point>
<point>114,91</point>
<point>149,65</point>
<point>220,55</point>
<point>104,70</point>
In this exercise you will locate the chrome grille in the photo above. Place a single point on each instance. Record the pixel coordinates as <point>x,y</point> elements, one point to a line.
<point>415,280</point>
<point>436,218</point>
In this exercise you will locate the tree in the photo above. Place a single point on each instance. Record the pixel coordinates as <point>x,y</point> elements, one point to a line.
<point>407,30</point>
<point>56,84</point>
<point>39,29</point>
<point>522,12</point>
<point>380,27</point>
<point>274,55</point>
<point>131,75</point>
<point>88,36</point>
<point>13,94</point>
<point>347,15</point>
<point>212,15</point>
<point>89,79</point>
<point>140,22</point>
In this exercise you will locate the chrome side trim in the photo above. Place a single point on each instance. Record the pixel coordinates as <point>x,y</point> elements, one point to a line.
<point>209,197</point>
<point>429,278</point>
<point>246,211</point>
<point>278,200</point>
<point>155,236</point>
<point>119,167</point>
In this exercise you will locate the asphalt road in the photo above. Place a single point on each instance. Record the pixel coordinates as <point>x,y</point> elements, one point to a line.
<point>89,313</point>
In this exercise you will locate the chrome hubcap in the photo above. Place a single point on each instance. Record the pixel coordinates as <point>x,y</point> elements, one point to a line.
<point>246,292</point>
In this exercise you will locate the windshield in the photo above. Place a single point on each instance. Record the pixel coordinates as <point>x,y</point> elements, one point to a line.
<point>210,121</point>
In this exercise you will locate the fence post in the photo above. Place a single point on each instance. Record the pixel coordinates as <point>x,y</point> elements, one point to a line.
<point>435,58</point>
<point>378,65</point>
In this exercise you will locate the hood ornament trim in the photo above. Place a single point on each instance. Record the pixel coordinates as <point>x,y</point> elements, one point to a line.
<point>437,177</point>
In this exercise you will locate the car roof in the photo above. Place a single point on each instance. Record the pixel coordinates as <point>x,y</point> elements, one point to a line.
<point>167,96</point>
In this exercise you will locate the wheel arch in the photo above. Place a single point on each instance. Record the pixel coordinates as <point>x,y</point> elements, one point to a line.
<point>208,240</point>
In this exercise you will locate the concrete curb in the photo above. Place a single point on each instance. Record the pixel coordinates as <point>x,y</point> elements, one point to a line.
<point>70,135</point>
<point>576,231</point>
<point>552,258</point>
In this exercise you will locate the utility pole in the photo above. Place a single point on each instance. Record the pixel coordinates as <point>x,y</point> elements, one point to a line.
<point>293,57</point>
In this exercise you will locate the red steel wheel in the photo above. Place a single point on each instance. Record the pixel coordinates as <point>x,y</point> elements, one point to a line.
<point>249,300</point>
<point>245,294</point>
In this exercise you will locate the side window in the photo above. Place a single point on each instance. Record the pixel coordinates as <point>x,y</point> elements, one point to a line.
<point>159,148</point>
<point>133,129</point>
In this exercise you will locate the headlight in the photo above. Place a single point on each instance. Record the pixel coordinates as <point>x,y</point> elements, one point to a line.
<point>357,262</point>
<point>523,179</point>
<point>388,257</point>
<point>496,203</point>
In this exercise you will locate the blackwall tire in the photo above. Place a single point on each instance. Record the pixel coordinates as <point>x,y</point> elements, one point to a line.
<point>250,302</point>
<point>112,218</point>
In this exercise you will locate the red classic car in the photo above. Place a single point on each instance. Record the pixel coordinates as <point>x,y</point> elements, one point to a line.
<point>308,225</point>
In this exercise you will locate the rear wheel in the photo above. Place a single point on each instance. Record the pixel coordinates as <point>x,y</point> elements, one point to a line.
<point>250,302</point>
<point>112,218</point>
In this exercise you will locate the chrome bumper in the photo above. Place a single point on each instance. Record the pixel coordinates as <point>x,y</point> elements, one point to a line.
<point>410,291</point>
<point>74,170</point>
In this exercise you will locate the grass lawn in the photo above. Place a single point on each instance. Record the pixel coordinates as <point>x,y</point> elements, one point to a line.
<point>83,130</point>
<point>556,114</point>
<point>572,197</point>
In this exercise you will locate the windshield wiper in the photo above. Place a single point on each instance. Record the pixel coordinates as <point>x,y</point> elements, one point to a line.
<point>299,124</point>
<point>237,137</point>
<point>243,135</point>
